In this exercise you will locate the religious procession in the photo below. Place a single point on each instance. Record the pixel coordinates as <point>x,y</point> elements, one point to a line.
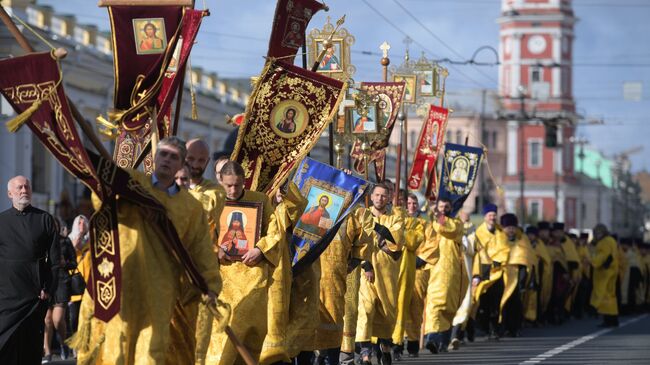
<point>318,232</point>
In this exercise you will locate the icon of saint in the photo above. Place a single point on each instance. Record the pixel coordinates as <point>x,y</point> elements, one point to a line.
<point>288,123</point>
<point>151,41</point>
<point>235,239</point>
<point>312,219</point>
<point>330,62</point>
<point>459,172</point>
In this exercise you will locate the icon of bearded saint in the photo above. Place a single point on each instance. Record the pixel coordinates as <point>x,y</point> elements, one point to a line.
<point>310,221</point>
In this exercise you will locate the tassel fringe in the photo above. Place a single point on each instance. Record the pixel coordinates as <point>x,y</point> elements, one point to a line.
<point>14,125</point>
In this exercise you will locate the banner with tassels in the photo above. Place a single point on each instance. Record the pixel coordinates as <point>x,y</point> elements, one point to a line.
<point>151,50</point>
<point>32,85</point>
<point>460,166</point>
<point>286,115</point>
<point>332,195</point>
<point>289,27</point>
<point>389,95</point>
<point>430,140</point>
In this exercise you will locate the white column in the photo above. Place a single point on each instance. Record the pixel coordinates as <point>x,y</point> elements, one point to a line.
<point>512,150</point>
<point>515,64</point>
<point>556,74</point>
<point>557,169</point>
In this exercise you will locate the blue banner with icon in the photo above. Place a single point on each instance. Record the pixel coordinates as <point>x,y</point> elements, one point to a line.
<point>460,165</point>
<point>332,195</point>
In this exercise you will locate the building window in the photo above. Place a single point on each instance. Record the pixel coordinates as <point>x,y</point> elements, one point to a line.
<point>494,139</point>
<point>459,137</point>
<point>535,153</point>
<point>535,74</point>
<point>535,209</point>
<point>448,137</point>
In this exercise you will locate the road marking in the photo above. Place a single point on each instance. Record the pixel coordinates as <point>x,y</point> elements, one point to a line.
<point>550,353</point>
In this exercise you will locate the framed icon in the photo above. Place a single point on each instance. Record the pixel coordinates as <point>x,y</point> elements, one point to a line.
<point>289,118</point>
<point>240,227</point>
<point>410,86</point>
<point>333,61</point>
<point>325,203</point>
<point>426,82</point>
<point>365,123</point>
<point>150,36</point>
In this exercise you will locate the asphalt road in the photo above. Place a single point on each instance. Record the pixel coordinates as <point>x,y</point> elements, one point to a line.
<point>574,342</point>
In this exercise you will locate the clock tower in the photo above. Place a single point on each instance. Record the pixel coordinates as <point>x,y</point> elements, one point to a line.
<point>535,51</point>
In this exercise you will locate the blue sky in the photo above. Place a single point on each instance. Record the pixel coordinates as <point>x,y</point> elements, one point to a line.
<point>611,47</point>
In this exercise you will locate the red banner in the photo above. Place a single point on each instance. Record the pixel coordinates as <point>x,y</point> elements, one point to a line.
<point>158,41</point>
<point>287,112</point>
<point>289,27</point>
<point>431,139</point>
<point>34,81</point>
<point>390,96</point>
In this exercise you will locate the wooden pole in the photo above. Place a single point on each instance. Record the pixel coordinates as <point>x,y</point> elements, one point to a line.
<point>85,126</point>
<point>398,166</point>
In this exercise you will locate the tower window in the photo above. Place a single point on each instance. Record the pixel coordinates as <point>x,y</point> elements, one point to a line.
<point>535,153</point>
<point>536,75</point>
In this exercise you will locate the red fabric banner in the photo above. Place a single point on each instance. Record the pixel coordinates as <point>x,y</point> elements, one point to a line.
<point>287,112</point>
<point>289,27</point>
<point>390,96</point>
<point>30,79</point>
<point>431,139</point>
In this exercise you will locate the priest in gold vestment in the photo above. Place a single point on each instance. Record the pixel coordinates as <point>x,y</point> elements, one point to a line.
<point>605,263</point>
<point>379,285</point>
<point>413,238</point>
<point>448,280</point>
<point>463,323</point>
<point>248,280</point>
<point>544,273</point>
<point>151,276</point>
<point>343,255</point>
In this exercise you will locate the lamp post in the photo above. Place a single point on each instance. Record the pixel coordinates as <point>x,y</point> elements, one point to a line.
<point>522,175</point>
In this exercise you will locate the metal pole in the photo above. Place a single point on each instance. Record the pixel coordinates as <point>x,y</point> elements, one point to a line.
<point>522,176</point>
<point>406,153</point>
<point>481,185</point>
<point>401,116</point>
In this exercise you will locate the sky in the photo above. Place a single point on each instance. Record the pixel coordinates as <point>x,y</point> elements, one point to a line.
<point>611,47</point>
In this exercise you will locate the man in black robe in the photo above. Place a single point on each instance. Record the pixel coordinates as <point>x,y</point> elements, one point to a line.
<point>27,258</point>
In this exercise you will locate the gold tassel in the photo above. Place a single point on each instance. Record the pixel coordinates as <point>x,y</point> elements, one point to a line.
<point>195,111</point>
<point>14,125</point>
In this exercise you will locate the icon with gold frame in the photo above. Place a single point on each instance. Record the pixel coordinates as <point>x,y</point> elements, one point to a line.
<point>336,61</point>
<point>365,121</point>
<point>240,228</point>
<point>410,89</point>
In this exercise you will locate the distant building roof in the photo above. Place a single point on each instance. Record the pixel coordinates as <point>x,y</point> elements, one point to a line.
<point>596,166</point>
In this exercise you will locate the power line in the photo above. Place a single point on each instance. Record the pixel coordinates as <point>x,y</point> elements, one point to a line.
<point>452,50</point>
<point>389,22</point>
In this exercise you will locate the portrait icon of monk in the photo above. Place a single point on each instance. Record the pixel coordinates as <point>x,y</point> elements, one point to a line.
<point>234,241</point>
<point>311,220</point>
<point>151,40</point>
<point>288,123</point>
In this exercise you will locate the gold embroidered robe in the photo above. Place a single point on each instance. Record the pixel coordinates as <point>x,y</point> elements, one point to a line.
<point>151,284</point>
<point>545,264</point>
<point>603,294</point>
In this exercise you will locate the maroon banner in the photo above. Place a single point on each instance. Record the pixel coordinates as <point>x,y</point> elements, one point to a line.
<point>289,27</point>
<point>431,139</point>
<point>151,45</point>
<point>287,112</point>
<point>34,81</point>
<point>390,96</point>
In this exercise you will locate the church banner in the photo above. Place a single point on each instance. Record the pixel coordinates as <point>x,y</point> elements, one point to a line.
<point>151,48</point>
<point>289,27</point>
<point>32,83</point>
<point>460,166</point>
<point>332,195</point>
<point>390,95</point>
<point>287,112</point>
<point>431,139</point>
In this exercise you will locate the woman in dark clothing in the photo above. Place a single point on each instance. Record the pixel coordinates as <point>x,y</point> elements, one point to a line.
<point>55,317</point>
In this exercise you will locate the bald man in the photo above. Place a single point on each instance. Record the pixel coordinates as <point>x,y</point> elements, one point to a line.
<point>212,197</point>
<point>28,256</point>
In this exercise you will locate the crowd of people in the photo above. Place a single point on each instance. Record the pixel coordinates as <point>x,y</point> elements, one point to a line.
<point>397,277</point>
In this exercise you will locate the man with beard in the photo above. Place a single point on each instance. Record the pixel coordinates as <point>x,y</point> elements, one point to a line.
<point>212,197</point>
<point>448,280</point>
<point>378,292</point>
<point>27,247</point>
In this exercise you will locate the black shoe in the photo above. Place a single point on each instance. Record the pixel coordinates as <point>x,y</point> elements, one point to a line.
<point>386,359</point>
<point>46,359</point>
<point>413,355</point>
<point>397,355</point>
<point>431,347</point>
<point>455,344</point>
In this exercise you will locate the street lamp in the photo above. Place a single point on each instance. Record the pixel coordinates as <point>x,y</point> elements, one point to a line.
<point>521,91</point>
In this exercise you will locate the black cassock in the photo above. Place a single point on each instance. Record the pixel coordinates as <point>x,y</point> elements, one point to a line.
<point>27,242</point>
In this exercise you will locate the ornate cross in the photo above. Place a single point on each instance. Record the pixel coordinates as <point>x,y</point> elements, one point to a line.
<point>385,47</point>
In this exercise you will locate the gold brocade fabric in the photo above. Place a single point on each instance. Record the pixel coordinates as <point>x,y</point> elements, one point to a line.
<point>353,284</point>
<point>571,254</point>
<point>520,253</point>
<point>247,294</point>
<point>277,341</point>
<point>303,310</point>
<point>603,294</point>
<point>487,251</point>
<point>546,279</point>
<point>585,260</point>
<point>378,300</point>
<point>413,238</point>
<point>469,251</point>
<point>141,332</point>
<point>212,197</point>
<point>416,310</point>
<point>351,241</point>
<point>428,250</point>
<point>448,280</point>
